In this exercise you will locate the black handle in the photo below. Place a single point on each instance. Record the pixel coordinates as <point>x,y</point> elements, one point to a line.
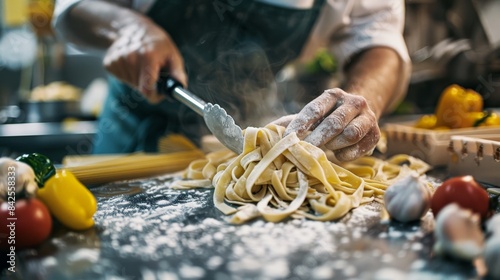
<point>174,90</point>
<point>166,84</point>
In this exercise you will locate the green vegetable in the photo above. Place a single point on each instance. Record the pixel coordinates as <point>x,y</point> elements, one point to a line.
<point>323,62</point>
<point>42,166</point>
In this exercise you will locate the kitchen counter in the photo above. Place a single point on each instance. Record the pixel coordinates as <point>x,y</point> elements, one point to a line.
<point>54,139</point>
<point>145,230</point>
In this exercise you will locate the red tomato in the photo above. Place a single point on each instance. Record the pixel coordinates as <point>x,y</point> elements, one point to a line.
<point>29,226</point>
<point>464,191</point>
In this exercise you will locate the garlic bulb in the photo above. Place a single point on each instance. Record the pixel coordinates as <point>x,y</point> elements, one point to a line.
<point>458,233</point>
<point>21,174</point>
<point>492,256</point>
<point>408,199</point>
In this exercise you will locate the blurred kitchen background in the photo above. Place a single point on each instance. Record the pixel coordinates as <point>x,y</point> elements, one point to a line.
<point>51,94</point>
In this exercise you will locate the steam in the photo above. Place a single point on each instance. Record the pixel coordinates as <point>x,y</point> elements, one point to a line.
<point>242,81</point>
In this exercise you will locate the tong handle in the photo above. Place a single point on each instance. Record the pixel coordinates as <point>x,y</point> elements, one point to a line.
<point>171,87</point>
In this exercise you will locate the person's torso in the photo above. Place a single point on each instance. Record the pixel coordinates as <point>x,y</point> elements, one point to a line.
<point>233,49</point>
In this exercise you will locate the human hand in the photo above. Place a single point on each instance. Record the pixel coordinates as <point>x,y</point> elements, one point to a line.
<point>337,120</point>
<point>141,49</point>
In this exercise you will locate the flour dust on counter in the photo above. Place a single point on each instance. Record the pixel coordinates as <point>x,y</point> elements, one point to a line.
<point>147,230</point>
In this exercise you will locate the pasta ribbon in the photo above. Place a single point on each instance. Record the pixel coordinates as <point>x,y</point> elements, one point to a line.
<point>277,177</point>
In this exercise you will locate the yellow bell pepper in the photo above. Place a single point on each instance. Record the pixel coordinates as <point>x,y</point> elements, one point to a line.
<point>426,122</point>
<point>455,102</point>
<point>69,200</point>
<point>474,119</point>
<point>486,118</point>
<point>492,120</point>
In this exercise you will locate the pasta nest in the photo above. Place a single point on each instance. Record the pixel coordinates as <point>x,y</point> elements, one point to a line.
<point>276,177</point>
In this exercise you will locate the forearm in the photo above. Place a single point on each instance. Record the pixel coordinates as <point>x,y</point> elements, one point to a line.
<point>376,75</point>
<point>136,48</point>
<point>99,23</point>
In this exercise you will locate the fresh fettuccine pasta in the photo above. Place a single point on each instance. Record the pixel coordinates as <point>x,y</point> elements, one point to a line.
<point>278,177</point>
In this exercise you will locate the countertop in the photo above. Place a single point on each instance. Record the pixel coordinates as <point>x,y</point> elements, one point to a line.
<point>146,230</point>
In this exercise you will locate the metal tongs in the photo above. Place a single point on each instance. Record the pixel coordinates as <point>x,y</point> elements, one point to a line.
<point>216,118</point>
